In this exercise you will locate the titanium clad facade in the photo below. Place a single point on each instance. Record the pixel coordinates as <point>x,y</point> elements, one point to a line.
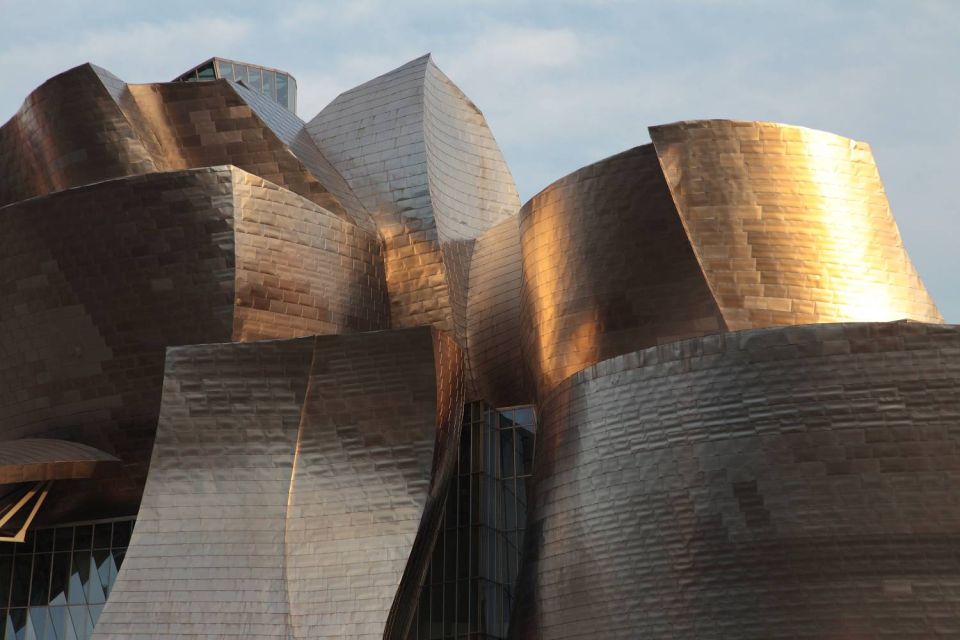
<point>422,160</point>
<point>98,280</point>
<point>345,327</point>
<point>303,526</point>
<point>607,269</point>
<point>791,225</point>
<point>782,483</point>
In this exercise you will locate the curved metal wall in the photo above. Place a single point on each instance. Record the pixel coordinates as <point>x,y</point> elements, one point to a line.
<point>432,177</point>
<point>607,268</point>
<point>69,132</point>
<point>290,483</point>
<point>96,281</point>
<point>791,225</point>
<point>782,483</point>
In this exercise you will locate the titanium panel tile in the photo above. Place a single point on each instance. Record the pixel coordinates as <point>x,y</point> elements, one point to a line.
<point>790,482</point>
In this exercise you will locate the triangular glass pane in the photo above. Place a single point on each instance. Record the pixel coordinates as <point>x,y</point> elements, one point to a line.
<point>95,593</point>
<point>79,573</point>
<point>95,610</point>
<point>104,566</point>
<point>78,615</point>
<point>59,622</point>
<point>18,618</point>
<point>37,623</point>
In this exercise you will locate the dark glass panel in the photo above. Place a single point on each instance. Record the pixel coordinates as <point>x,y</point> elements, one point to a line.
<point>450,557</point>
<point>79,573</point>
<point>121,533</point>
<point>101,536</point>
<point>524,416</point>
<point>463,552</point>
<point>253,78</point>
<point>20,585</point>
<point>59,578</point>
<point>6,548</point>
<point>17,621</point>
<point>82,537</point>
<point>63,539</point>
<point>27,545</point>
<point>268,84</point>
<point>525,444</point>
<point>463,500</point>
<point>6,571</point>
<point>226,69</point>
<point>449,610</point>
<point>436,613</point>
<point>463,607</point>
<point>477,449</point>
<point>282,90</point>
<point>38,619</point>
<point>506,453</point>
<point>44,541</point>
<point>40,582</point>
<point>206,72</point>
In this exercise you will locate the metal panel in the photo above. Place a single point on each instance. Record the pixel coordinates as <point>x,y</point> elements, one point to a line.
<point>33,459</point>
<point>207,553</point>
<point>607,269</point>
<point>96,281</point>
<point>781,483</point>
<point>290,485</point>
<point>421,158</point>
<point>69,132</point>
<point>791,225</point>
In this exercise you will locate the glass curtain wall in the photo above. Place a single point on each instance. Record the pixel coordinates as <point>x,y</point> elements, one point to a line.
<point>468,590</point>
<point>53,586</point>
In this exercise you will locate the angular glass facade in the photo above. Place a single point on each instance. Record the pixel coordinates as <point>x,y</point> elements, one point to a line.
<point>468,590</point>
<point>273,83</point>
<point>53,586</point>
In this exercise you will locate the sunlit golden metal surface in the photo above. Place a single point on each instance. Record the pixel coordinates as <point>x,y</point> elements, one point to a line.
<point>607,269</point>
<point>288,485</point>
<point>791,225</point>
<point>792,482</point>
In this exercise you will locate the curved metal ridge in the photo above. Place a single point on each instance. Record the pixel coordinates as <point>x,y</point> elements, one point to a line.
<point>34,459</point>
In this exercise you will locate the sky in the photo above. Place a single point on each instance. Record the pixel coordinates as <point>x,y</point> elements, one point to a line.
<point>564,83</point>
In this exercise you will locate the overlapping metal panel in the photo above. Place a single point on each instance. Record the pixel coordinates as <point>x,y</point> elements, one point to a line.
<point>790,482</point>
<point>289,482</point>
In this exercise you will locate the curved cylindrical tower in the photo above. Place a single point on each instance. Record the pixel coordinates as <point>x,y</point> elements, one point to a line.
<point>789,482</point>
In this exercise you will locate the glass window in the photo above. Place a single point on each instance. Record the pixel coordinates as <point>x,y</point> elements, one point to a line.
<point>101,536</point>
<point>20,587</point>
<point>6,566</point>
<point>240,73</point>
<point>206,72</point>
<point>253,78</point>
<point>226,69</point>
<point>282,89</point>
<point>268,84</point>
<point>292,94</point>
<point>40,583</point>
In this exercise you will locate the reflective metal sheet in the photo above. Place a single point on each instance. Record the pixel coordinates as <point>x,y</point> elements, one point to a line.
<point>789,482</point>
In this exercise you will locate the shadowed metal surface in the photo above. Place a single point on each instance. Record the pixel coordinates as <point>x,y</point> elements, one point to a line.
<point>780,483</point>
<point>791,225</point>
<point>68,132</point>
<point>96,281</point>
<point>33,459</point>
<point>287,486</point>
<point>607,269</point>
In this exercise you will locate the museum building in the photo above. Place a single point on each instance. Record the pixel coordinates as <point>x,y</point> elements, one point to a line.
<point>268,377</point>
